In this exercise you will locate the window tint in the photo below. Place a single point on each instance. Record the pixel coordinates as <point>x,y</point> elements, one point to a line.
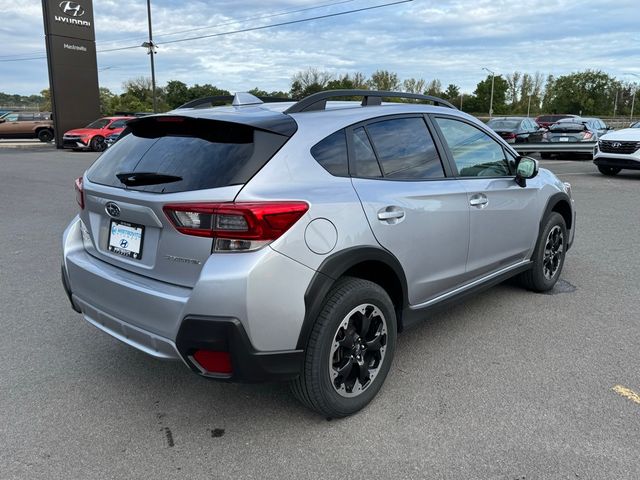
<point>474,152</point>
<point>364,161</point>
<point>12,117</point>
<point>331,153</point>
<point>205,154</point>
<point>25,117</point>
<point>118,124</point>
<point>405,149</point>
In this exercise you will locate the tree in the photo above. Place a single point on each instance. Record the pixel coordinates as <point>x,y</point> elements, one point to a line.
<point>514,85</point>
<point>434,88</point>
<point>384,80</point>
<point>106,101</point>
<point>590,92</point>
<point>176,93</point>
<point>481,100</point>
<point>263,93</point>
<point>309,81</point>
<point>412,85</point>
<point>452,93</point>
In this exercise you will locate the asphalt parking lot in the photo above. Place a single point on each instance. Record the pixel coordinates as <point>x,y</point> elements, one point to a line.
<point>509,385</point>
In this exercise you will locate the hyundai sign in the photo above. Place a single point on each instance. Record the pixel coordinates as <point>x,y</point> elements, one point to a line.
<point>73,68</point>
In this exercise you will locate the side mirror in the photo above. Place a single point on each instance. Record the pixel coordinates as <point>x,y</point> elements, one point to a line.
<point>526,168</point>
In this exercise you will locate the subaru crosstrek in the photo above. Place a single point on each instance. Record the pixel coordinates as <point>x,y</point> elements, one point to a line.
<point>293,241</point>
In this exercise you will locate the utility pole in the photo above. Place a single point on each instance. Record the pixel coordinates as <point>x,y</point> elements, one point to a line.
<point>615,105</point>
<point>529,106</point>
<point>151,51</point>
<point>490,101</point>
<point>461,97</point>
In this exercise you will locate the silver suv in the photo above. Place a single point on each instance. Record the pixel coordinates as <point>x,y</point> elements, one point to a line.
<point>293,241</point>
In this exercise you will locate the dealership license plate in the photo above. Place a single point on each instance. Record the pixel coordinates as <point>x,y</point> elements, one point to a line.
<point>564,139</point>
<point>126,239</point>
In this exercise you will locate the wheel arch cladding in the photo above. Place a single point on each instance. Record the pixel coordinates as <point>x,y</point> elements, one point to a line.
<point>562,207</point>
<point>370,263</point>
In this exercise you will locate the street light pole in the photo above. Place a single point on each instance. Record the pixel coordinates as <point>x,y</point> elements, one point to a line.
<point>529,106</point>
<point>151,51</point>
<point>491,100</point>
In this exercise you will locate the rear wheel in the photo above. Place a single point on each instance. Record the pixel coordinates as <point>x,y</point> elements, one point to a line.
<point>97,143</point>
<point>350,349</point>
<point>45,135</point>
<point>548,256</point>
<point>609,171</point>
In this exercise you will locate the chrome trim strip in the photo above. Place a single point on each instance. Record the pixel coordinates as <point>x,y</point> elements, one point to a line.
<point>468,285</point>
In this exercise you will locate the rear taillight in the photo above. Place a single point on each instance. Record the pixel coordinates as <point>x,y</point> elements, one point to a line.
<point>79,192</point>
<point>587,136</point>
<point>236,227</point>
<point>510,135</point>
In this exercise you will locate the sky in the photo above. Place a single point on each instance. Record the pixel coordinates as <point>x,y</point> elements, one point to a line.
<point>448,40</point>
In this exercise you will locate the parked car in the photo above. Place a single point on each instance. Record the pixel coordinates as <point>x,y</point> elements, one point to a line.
<point>293,241</point>
<point>618,150</point>
<point>516,129</point>
<point>545,121</point>
<point>27,125</point>
<point>111,139</point>
<point>574,130</point>
<point>92,137</point>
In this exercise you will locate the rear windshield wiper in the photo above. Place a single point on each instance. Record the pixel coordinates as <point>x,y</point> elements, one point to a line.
<point>135,179</point>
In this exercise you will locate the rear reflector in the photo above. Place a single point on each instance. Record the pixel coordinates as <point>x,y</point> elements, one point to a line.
<point>214,362</point>
<point>79,192</point>
<point>236,226</point>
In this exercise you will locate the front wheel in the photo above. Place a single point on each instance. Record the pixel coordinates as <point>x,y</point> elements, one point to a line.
<point>45,135</point>
<point>609,171</point>
<point>548,256</point>
<point>350,349</point>
<point>97,143</point>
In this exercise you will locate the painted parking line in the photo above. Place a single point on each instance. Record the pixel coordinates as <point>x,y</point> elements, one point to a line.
<point>627,393</point>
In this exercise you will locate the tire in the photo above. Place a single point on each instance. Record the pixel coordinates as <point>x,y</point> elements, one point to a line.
<point>548,256</point>
<point>97,144</point>
<point>545,156</point>
<point>609,171</point>
<point>45,135</point>
<point>335,344</point>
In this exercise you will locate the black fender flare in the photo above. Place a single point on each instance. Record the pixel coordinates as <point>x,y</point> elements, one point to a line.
<point>335,266</point>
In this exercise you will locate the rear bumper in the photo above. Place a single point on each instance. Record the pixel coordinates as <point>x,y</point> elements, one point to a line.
<point>254,316</point>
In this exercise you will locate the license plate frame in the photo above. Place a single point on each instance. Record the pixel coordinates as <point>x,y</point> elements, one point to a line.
<point>126,239</point>
<point>563,139</point>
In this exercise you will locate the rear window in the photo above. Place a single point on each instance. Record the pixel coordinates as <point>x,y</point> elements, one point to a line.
<point>504,124</point>
<point>567,127</point>
<point>197,154</point>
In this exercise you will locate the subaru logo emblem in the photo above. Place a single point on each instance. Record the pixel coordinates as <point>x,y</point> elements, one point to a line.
<point>71,9</point>
<point>112,209</point>
<point>616,144</point>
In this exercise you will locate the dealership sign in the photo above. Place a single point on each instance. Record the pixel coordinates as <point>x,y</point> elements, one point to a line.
<point>73,69</point>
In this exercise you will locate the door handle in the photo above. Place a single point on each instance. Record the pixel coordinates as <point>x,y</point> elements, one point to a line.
<point>391,214</point>
<point>479,200</point>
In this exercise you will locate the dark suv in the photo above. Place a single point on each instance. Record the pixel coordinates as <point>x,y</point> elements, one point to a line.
<point>27,125</point>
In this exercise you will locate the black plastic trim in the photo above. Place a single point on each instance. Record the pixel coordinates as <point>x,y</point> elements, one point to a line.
<point>67,288</point>
<point>622,163</point>
<point>551,204</point>
<point>412,317</point>
<point>226,334</point>
<point>333,268</point>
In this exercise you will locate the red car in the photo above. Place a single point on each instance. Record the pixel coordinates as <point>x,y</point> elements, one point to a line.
<point>545,121</point>
<point>92,136</point>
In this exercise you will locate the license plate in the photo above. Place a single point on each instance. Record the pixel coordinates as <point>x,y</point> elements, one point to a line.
<point>564,139</point>
<point>126,239</point>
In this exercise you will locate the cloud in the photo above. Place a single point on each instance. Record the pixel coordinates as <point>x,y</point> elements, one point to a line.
<point>448,40</point>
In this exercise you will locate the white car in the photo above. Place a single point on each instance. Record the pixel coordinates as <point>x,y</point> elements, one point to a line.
<point>618,150</point>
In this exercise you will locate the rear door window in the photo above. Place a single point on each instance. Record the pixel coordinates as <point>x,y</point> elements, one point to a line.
<point>405,149</point>
<point>364,163</point>
<point>25,117</point>
<point>196,154</point>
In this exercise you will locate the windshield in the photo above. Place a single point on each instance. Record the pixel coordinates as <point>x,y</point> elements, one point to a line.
<point>103,122</point>
<point>503,124</point>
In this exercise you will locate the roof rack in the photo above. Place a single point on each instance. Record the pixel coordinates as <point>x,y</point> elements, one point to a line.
<point>318,101</point>
<point>237,100</point>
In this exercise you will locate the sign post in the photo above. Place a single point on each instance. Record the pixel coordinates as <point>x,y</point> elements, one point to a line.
<point>73,68</point>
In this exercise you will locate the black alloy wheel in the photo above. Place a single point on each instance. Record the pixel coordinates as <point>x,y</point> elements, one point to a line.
<point>350,349</point>
<point>45,135</point>
<point>98,144</point>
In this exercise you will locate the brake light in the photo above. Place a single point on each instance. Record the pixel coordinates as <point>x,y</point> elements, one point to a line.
<point>79,192</point>
<point>236,226</point>
<point>587,136</point>
<point>510,135</point>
